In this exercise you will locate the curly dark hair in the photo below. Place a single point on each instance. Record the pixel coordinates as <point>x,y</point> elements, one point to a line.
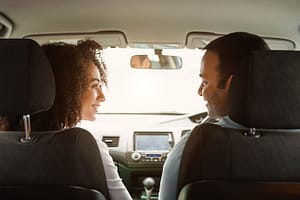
<point>70,64</point>
<point>92,51</point>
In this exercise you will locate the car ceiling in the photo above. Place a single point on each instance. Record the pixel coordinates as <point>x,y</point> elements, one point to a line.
<point>159,21</point>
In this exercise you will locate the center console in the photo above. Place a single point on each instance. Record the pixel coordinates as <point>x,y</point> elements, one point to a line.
<point>145,157</point>
<point>150,149</point>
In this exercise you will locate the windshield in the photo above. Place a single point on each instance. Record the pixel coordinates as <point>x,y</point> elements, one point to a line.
<point>133,90</point>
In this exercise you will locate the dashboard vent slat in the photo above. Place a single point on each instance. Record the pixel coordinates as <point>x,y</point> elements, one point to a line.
<point>111,141</point>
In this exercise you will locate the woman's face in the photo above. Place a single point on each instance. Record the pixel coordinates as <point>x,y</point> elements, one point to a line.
<point>93,94</point>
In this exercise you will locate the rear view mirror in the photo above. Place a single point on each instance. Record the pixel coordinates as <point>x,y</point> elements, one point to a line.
<point>155,62</point>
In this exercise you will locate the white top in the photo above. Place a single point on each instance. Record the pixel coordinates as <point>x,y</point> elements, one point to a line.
<point>116,188</point>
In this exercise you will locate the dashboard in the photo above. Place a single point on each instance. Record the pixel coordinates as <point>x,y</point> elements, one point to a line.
<point>139,143</point>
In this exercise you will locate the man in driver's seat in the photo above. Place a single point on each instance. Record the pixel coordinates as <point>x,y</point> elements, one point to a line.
<point>220,61</point>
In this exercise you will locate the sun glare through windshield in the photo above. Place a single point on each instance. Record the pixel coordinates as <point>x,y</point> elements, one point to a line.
<point>152,91</point>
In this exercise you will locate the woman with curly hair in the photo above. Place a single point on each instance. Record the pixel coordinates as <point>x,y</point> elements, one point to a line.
<point>79,73</point>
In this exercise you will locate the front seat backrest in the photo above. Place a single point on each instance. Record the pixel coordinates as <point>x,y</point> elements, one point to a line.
<point>264,98</point>
<point>68,158</point>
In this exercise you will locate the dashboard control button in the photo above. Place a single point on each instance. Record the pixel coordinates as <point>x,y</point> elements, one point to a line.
<point>135,156</point>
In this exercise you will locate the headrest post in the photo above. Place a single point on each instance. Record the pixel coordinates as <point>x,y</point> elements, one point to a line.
<point>27,127</point>
<point>253,132</point>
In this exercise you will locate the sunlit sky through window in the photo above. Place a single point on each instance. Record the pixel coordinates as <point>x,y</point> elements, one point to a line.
<point>133,90</point>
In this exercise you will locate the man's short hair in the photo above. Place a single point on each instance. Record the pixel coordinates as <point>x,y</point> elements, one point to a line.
<point>232,49</point>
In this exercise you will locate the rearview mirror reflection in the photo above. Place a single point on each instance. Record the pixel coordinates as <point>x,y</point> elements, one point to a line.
<point>155,62</point>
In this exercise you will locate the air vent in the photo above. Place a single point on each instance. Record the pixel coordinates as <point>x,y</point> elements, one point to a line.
<point>111,141</point>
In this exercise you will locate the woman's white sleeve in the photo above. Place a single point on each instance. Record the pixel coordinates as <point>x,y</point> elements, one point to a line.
<point>116,188</point>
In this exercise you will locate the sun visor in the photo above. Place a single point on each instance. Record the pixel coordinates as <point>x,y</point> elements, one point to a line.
<point>105,38</point>
<point>201,39</point>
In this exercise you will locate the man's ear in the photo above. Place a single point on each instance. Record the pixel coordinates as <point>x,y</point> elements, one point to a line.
<point>228,82</point>
<point>225,83</point>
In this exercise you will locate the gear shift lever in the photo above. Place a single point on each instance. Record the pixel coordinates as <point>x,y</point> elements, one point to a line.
<point>148,186</point>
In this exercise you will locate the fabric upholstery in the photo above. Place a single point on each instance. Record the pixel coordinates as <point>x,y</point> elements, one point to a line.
<point>236,190</point>
<point>264,93</point>
<point>216,153</point>
<point>27,83</point>
<point>46,192</point>
<point>69,157</point>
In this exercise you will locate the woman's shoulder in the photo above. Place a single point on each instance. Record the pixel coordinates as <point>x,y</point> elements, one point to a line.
<point>101,144</point>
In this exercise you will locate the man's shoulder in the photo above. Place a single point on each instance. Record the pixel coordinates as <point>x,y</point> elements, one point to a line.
<point>226,122</point>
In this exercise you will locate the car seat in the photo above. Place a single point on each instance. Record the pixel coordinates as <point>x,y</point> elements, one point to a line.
<point>41,165</point>
<point>262,160</point>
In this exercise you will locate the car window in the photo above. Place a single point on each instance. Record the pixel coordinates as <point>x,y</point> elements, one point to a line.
<point>133,90</point>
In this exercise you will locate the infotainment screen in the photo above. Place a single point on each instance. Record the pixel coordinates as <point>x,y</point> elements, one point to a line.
<point>148,141</point>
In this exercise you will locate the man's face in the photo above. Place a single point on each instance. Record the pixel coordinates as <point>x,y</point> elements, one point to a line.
<point>140,63</point>
<point>215,97</point>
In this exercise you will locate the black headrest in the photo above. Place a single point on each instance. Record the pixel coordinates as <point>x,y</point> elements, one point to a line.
<point>265,91</point>
<point>26,78</point>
